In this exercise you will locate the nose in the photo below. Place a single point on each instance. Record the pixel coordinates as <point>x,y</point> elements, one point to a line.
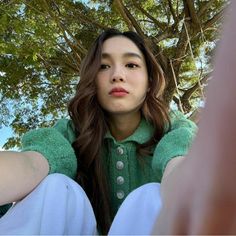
<point>117,79</point>
<point>118,75</point>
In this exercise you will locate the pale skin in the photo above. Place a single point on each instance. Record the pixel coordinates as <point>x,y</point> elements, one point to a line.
<point>20,173</point>
<point>205,201</point>
<point>124,67</point>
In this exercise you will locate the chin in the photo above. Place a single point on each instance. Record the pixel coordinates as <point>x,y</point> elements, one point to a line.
<point>123,112</point>
<point>118,112</point>
<point>117,109</point>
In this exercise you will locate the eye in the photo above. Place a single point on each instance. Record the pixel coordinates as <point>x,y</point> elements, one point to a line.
<point>131,65</point>
<point>104,67</point>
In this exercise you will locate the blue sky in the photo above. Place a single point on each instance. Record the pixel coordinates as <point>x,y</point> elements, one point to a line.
<point>5,133</point>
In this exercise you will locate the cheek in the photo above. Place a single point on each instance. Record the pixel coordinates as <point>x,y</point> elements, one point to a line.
<point>101,93</point>
<point>141,82</point>
<point>101,80</point>
<point>98,83</point>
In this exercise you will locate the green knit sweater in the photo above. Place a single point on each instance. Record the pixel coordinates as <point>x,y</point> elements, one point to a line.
<point>124,169</point>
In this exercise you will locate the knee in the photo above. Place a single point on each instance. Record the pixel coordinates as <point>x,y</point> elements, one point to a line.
<point>59,186</point>
<point>60,181</point>
<point>56,178</point>
<point>145,194</point>
<point>63,190</point>
<point>146,190</point>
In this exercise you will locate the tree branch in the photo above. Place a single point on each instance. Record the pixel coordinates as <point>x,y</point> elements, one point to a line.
<point>192,24</point>
<point>187,95</point>
<point>164,35</point>
<point>192,12</point>
<point>205,7</point>
<point>74,46</point>
<point>177,102</point>
<point>213,20</point>
<point>129,18</point>
<point>180,50</point>
<point>158,53</point>
<point>159,24</point>
<point>32,7</point>
<point>118,5</point>
<point>85,18</point>
<point>66,64</point>
<point>61,27</point>
<point>172,11</point>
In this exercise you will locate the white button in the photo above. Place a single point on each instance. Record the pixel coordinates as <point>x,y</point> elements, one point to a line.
<point>120,194</point>
<point>120,180</point>
<point>120,150</point>
<point>119,165</point>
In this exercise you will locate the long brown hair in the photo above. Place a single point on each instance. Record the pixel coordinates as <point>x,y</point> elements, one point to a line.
<point>91,122</point>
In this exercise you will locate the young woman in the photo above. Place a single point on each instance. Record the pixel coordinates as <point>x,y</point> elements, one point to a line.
<point>120,139</point>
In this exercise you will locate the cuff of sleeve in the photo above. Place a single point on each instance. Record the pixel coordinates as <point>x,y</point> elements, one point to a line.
<point>175,143</point>
<point>54,147</point>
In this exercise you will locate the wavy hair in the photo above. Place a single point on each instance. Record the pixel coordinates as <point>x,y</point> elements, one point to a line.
<point>91,122</point>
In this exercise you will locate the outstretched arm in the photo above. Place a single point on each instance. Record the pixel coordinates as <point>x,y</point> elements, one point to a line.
<point>20,173</point>
<point>200,195</point>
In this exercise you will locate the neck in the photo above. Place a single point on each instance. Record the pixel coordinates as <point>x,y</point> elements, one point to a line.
<point>122,126</point>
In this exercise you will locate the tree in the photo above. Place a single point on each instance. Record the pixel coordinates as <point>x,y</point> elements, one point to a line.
<point>43,42</point>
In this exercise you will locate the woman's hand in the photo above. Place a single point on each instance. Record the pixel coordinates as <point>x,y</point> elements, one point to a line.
<point>200,195</point>
<point>199,200</point>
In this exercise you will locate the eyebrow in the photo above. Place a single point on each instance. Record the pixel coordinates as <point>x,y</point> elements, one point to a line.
<point>125,55</point>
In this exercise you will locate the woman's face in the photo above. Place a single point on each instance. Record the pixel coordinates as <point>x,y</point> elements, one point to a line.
<point>122,81</point>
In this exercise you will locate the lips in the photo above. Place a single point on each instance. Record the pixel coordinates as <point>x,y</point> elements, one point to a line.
<point>118,92</point>
<point>121,90</point>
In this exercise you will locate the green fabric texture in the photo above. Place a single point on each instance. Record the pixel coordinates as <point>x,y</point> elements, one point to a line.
<point>55,145</point>
<point>141,170</point>
<point>174,143</point>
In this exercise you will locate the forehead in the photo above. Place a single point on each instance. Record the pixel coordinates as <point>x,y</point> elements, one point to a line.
<point>120,45</point>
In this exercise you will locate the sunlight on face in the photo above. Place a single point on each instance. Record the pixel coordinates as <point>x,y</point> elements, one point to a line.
<point>122,81</point>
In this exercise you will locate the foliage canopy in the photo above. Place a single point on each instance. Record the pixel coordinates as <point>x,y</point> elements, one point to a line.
<point>43,42</point>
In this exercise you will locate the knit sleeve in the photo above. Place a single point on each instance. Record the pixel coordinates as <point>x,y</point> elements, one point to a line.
<point>55,145</point>
<point>174,143</point>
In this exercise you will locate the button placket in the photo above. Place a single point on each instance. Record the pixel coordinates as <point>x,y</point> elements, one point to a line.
<point>120,150</point>
<point>120,194</point>
<point>119,165</point>
<point>120,180</point>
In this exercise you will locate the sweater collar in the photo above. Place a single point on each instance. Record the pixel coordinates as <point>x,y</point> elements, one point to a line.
<point>141,135</point>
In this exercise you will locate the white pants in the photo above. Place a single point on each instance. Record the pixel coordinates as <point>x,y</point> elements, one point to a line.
<point>59,206</point>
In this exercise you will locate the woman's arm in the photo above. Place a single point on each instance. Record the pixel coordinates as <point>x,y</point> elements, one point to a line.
<point>172,166</point>
<point>200,198</point>
<point>20,173</point>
